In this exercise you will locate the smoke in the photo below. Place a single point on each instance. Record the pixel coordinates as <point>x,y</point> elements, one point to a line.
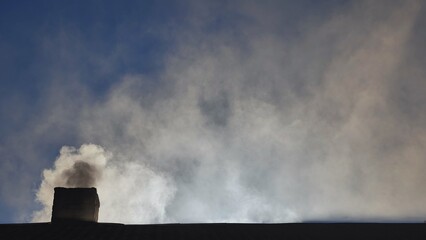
<point>82,174</point>
<point>122,189</point>
<point>249,124</point>
<point>73,168</point>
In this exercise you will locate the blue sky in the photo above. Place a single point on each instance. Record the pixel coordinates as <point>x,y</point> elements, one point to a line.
<point>212,111</point>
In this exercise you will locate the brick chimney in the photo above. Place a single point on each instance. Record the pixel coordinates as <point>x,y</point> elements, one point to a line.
<point>75,205</point>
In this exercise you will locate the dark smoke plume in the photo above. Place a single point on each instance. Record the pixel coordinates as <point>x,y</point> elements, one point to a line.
<point>82,174</point>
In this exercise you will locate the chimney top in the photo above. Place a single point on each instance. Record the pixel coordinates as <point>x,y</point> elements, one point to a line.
<point>75,205</point>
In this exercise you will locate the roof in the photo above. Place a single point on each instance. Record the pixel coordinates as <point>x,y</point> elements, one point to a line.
<point>298,231</point>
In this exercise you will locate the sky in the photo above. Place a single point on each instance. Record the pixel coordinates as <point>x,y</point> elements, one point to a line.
<point>215,111</point>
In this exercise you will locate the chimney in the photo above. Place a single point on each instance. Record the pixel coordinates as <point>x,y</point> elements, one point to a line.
<point>75,205</point>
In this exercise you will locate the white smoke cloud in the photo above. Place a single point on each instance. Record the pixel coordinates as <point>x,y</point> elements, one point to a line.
<point>129,193</point>
<point>255,127</point>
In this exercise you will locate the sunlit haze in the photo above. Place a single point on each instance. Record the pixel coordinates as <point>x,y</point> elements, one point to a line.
<point>215,111</point>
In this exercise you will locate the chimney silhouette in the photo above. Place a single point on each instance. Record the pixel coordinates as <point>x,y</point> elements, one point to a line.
<point>75,205</point>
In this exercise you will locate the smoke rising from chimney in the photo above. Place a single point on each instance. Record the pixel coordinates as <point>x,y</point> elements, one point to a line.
<point>82,174</point>
<point>123,189</point>
<point>255,126</point>
<point>81,167</point>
